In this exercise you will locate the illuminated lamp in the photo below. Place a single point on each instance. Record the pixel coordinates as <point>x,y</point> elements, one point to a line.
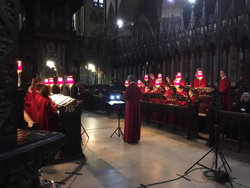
<point>178,75</point>
<point>19,67</point>
<point>19,70</point>
<point>159,76</point>
<point>146,77</point>
<point>126,83</point>
<point>51,82</point>
<point>177,83</point>
<point>157,83</point>
<point>46,81</point>
<point>139,83</point>
<point>60,82</point>
<point>199,75</point>
<point>70,82</point>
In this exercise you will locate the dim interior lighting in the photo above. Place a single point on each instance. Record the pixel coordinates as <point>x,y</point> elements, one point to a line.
<point>139,83</point>
<point>159,76</point>
<point>46,81</point>
<point>126,83</point>
<point>146,77</point>
<point>120,23</point>
<point>51,64</point>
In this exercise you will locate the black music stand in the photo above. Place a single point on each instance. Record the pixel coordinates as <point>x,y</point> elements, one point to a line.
<point>84,131</point>
<point>119,106</point>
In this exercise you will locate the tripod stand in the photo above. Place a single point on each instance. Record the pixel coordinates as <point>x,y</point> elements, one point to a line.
<point>118,130</point>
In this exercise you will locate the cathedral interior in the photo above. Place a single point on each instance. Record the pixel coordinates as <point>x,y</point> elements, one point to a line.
<point>98,43</point>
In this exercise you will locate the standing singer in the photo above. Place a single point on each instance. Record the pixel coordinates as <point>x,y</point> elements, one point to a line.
<point>132,129</point>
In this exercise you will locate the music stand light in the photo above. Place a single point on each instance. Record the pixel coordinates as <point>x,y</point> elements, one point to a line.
<point>70,82</point>
<point>19,70</point>
<point>126,83</point>
<point>46,81</point>
<point>60,82</point>
<point>51,82</point>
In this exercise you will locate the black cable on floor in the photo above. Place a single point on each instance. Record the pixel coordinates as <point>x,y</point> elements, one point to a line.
<point>167,181</point>
<point>240,184</point>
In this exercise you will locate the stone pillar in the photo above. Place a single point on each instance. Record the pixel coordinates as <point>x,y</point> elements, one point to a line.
<point>191,67</point>
<point>172,67</point>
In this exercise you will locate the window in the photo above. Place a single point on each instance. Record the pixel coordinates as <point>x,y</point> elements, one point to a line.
<point>98,3</point>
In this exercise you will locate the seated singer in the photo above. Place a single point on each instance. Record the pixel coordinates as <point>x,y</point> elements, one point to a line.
<point>200,80</point>
<point>132,128</point>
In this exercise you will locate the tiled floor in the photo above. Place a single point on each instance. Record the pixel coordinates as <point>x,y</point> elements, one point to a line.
<point>159,156</point>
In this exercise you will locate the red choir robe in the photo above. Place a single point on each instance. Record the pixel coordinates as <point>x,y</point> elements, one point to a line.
<point>162,84</point>
<point>132,128</point>
<point>142,89</point>
<point>27,103</point>
<point>225,86</point>
<point>199,83</point>
<point>46,110</point>
<point>151,82</point>
<point>182,82</point>
<point>33,106</point>
<point>184,93</point>
<point>167,94</point>
<point>194,99</point>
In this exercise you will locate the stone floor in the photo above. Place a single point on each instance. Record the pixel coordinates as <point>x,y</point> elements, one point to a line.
<point>158,157</point>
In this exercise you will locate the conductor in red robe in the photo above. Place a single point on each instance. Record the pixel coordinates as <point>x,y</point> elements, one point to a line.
<point>225,87</point>
<point>200,80</point>
<point>132,129</point>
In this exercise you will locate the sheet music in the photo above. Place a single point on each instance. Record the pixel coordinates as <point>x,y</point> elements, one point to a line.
<point>115,102</point>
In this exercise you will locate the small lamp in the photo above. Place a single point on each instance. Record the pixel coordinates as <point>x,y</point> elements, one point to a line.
<point>178,75</point>
<point>146,77</point>
<point>51,82</point>
<point>19,67</point>
<point>177,83</point>
<point>19,70</point>
<point>157,83</point>
<point>159,76</point>
<point>60,82</point>
<point>46,81</point>
<point>139,83</point>
<point>126,83</point>
<point>70,82</point>
<point>199,75</point>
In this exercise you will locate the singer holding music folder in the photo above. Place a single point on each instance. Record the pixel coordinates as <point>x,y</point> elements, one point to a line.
<point>132,128</point>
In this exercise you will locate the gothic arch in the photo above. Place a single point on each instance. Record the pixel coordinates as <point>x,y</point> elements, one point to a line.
<point>111,22</point>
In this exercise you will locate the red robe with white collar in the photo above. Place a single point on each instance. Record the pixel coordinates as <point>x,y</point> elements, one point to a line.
<point>132,128</point>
